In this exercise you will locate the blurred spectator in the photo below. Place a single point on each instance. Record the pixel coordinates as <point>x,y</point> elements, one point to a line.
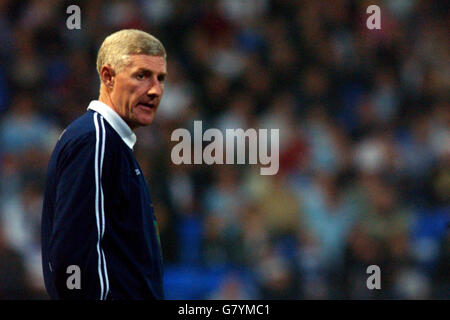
<point>364,124</point>
<point>13,282</point>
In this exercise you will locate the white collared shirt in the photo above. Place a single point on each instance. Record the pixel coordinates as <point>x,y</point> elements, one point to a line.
<point>115,121</point>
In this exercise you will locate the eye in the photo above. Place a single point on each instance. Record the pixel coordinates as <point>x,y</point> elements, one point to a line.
<point>140,76</point>
<point>161,78</point>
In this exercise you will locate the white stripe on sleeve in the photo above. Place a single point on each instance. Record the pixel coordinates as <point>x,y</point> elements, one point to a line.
<point>97,202</point>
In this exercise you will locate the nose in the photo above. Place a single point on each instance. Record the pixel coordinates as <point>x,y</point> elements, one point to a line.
<point>155,90</point>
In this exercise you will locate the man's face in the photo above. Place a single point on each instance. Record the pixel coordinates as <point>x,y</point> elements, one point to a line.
<point>138,89</point>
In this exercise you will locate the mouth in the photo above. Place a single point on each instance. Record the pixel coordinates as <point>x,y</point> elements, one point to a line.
<point>147,106</point>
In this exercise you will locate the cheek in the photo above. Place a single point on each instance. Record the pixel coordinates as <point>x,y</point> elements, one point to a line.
<point>122,93</point>
<point>134,95</point>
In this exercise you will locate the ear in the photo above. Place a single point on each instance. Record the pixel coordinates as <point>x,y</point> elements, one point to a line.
<point>107,75</point>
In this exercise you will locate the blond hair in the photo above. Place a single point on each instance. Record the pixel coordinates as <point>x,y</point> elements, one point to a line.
<point>117,47</point>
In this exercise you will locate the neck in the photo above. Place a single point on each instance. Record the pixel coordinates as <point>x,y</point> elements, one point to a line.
<point>105,97</point>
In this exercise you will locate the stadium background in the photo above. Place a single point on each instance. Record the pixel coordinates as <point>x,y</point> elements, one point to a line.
<point>364,142</point>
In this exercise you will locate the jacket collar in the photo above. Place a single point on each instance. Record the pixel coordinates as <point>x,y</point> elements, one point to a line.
<point>113,118</point>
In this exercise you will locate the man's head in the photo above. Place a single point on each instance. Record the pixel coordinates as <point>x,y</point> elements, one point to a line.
<point>132,68</point>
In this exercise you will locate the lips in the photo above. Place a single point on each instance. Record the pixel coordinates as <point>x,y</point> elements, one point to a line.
<point>146,105</point>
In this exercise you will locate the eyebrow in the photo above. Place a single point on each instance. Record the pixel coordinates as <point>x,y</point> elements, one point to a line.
<point>150,71</point>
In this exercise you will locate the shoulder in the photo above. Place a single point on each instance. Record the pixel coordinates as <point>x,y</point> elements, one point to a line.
<point>88,133</point>
<point>89,128</point>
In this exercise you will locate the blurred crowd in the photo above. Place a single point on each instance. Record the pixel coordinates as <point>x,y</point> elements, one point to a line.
<point>364,124</point>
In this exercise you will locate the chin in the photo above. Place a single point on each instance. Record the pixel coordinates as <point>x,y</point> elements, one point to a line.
<point>146,122</point>
<point>143,119</point>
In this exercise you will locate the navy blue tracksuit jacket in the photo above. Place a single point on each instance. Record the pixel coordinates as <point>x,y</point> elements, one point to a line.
<point>98,215</point>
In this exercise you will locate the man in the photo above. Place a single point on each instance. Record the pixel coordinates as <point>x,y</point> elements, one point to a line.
<point>99,233</point>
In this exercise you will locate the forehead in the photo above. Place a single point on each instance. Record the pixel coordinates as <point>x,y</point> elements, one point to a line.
<point>153,63</point>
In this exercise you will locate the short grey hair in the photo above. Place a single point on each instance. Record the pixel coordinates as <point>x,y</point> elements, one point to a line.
<point>117,47</point>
